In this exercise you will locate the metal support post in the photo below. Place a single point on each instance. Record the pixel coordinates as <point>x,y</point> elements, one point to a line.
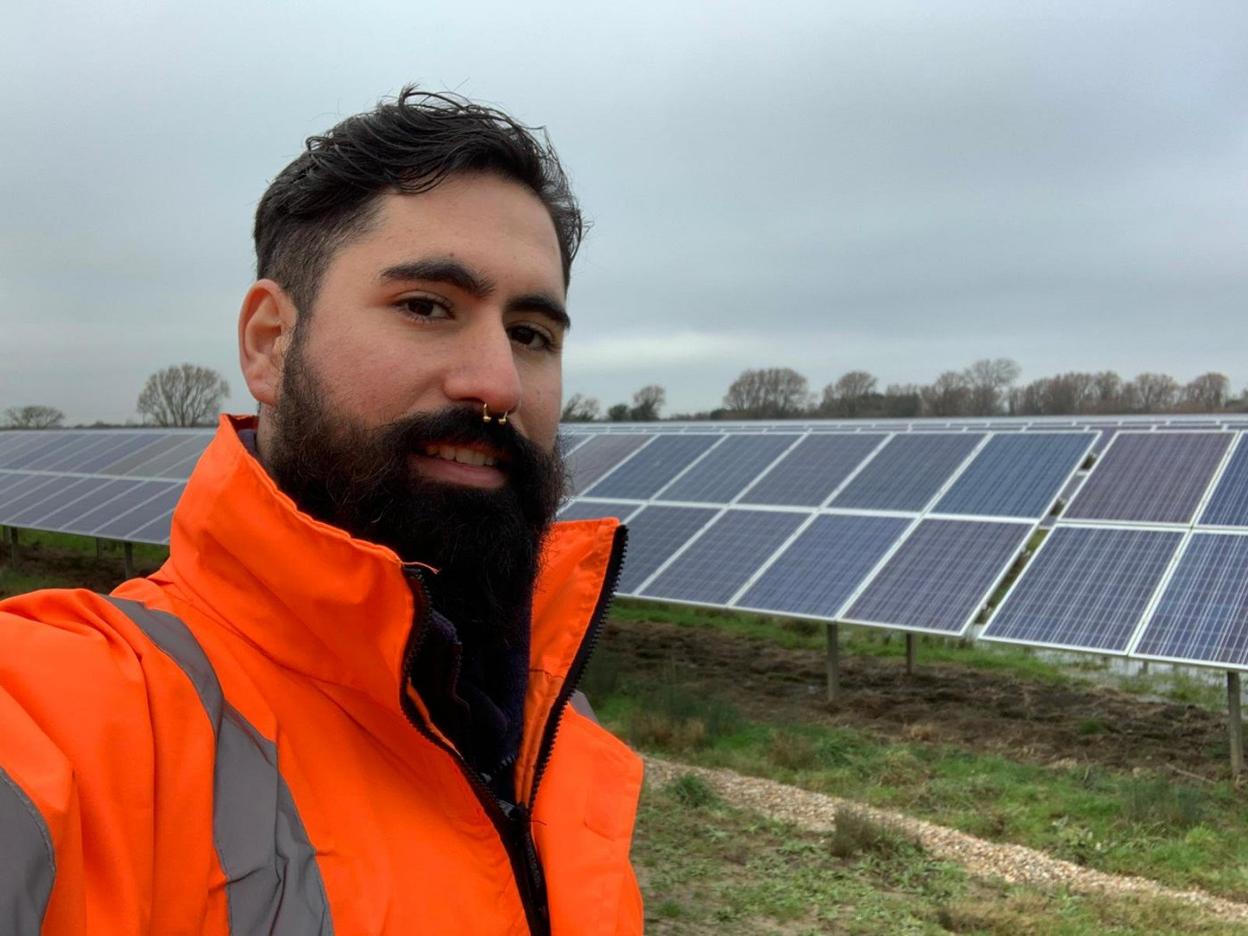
<point>909,654</point>
<point>833,662</point>
<point>1235,725</point>
<point>129,559</point>
<point>15,548</point>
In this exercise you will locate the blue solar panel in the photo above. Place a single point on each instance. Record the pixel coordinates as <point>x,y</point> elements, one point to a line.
<point>141,514</point>
<point>907,472</point>
<point>819,570</point>
<point>36,492</point>
<point>728,468</point>
<point>153,445</point>
<point>1203,614</point>
<point>1016,476</point>
<point>812,470</point>
<point>593,510</point>
<point>654,535</point>
<point>598,456</point>
<point>64,517</point>
<point>1085,589</point>
<point>52,443</point>
<point>1229,504</point>
<point>654,466</point>
<point>940,576</point>
<point>712,569</point>
<point>1150,477</point>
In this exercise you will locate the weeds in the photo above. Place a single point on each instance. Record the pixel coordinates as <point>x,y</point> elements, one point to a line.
<point>691,790</point>
<point>855,835</point>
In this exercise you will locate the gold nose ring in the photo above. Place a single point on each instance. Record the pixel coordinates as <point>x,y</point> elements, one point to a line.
<point>486,417</point>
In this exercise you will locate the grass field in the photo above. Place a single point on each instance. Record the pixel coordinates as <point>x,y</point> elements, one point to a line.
<point>744,691</point>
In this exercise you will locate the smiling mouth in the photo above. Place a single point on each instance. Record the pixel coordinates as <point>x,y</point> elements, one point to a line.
<point>463,455</point>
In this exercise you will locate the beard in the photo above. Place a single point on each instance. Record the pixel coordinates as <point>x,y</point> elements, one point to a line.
<point>485,543</point>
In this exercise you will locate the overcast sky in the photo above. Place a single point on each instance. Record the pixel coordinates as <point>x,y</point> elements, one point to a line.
<point>899,187</point>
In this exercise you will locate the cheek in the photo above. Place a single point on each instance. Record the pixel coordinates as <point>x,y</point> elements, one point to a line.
<point>373,379</point>
<point>543,402</point>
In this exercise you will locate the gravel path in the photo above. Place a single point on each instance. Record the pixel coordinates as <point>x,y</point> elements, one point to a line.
<point>1014,863</point>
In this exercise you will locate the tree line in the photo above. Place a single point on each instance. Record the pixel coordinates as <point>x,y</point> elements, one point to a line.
<point>181,395</point>
<point>987,387</point>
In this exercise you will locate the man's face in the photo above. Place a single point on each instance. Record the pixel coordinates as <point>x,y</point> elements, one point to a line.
<point>452,301</point>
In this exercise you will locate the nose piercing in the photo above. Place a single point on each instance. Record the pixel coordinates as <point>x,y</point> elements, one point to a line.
<point>486,417</point>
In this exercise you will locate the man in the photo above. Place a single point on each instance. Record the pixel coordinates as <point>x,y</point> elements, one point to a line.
<point>344,705</point>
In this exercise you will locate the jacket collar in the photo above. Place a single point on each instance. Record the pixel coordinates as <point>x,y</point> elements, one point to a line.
<point>333,607</point>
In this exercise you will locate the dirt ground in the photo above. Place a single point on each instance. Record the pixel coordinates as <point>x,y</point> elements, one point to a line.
<point>941,703</point>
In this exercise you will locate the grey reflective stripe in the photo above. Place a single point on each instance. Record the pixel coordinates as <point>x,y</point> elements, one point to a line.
<point>27,861</point>
<point>273,884</point>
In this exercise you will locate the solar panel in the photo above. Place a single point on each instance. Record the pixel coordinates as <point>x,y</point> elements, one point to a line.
<point>1202,616</point>
<point>728,468</point>
<point>645,473</point>
<point>907,472</point>
<point>940,576</point>
<point>139,514</point>
<point>598,456</point>
<point>1016,476</point>
<point>820,569</point>
<point>812,470</point>
<point>1229,504</point>
<point>722,559</point>
<point>1150,477</point>
<point>594,510</point>
<point>1085,589</point>
<point>654,535</point>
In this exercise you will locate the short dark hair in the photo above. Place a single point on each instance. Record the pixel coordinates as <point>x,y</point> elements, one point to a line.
<point>329,193</point>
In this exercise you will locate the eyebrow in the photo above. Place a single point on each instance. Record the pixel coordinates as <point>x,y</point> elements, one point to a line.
<point>454,273</point>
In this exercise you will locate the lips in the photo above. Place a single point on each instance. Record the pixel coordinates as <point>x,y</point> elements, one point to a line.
<point>461,454</point>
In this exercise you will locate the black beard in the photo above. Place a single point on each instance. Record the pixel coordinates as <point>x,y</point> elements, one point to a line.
<point>485,543</point>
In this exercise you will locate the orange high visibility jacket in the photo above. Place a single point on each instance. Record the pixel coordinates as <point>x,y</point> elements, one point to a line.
<point>229,746</point>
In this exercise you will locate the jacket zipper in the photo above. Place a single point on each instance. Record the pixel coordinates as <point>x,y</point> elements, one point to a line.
<point>512,820</point>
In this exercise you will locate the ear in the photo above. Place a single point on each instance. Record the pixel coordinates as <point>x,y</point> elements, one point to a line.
<point>266,324</point>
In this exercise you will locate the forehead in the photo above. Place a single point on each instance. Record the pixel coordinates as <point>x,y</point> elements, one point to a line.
<point>489,223</point>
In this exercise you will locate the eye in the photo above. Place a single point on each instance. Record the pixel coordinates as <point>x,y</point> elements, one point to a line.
<point>535,339</point>
<point>424,307</point>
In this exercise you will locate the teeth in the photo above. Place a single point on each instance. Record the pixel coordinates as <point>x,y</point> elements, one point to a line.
<point>464,456</point>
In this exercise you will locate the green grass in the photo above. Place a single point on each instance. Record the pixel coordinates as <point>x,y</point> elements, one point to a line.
<point>708,867</point>
<point>1124,822</point>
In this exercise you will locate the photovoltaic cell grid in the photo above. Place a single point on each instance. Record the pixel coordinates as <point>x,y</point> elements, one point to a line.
<point>719,562</point>
<point>1085,589</point>
<point>907,472</point>
<point>816,467</point>
<point>651,468</point>
<point>818,571</point>
<point>1150,477</point>
<point>598,456</point>
<point>1229,504</point>
<point>594,510</point>
<point>728,468</point>
<point>654,535</point>
<point>1016,475</point>
<point>1203,614</point>
<point>117,509</point>
<point>940,575</point>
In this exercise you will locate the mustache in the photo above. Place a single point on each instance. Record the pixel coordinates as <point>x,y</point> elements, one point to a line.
<point>459,425</point>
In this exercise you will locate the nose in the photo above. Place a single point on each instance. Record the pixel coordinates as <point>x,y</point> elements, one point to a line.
<point>485,371</point>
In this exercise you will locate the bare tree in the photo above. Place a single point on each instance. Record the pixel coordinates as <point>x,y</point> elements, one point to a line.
<point>1207,393</point>
<point>183,395</point>
<point>580,408</point>
<point>848,395</point>
<point>33,417</point>
<point>1107,392</point>
<point>769,393</point>
<point>1156,392</point>
<point>647,402</point>
<point>949,395</point>
<point>618,412</point>
<point>901,401</point>
<point>989,381</point>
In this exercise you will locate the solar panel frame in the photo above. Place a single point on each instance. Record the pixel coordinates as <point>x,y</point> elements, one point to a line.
<point>1147,513</point>
<point>620,448</point>
<point>864,494</point>
<point>796,459</point>
<point>840,580</point>
<point>1044,500</point>
<point>851,614</point>
<point>692,520</point>
<point>1225,505</point>
<point>653,467</point>
<point>1239,542</point>
<point>1036,563</point>
<point>691,558</point>
<point>679,488</point>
